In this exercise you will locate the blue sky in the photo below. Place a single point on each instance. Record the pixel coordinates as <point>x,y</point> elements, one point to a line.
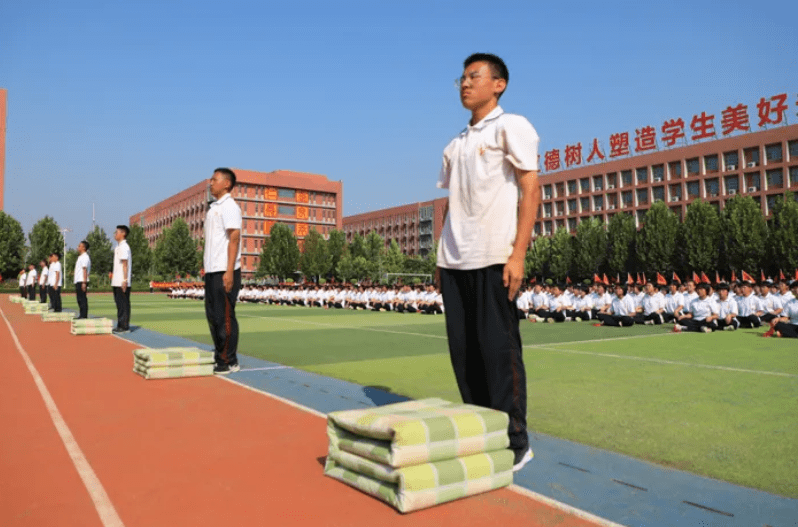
<point>123,103</point>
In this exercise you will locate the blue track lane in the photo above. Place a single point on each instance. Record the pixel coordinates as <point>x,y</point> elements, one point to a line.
<point>613,486</point>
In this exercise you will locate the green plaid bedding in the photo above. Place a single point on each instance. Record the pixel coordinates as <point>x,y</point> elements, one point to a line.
<point>424,485</point>
<point>173,372</point>
<point>93,323</point>
<point>15,299</point>
<point>35,308</point>
<point>58,317</point>
<point>92,331</point>
<point>172,356</point>
<point>415,432</point>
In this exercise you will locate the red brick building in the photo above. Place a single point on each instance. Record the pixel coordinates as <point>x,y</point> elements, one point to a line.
<point>300,200</point>
<point>415,227</point>
<point>3,101</point>
<point>762,164</point>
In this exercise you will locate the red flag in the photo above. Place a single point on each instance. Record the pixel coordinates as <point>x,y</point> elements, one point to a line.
<point>607,280</point>
<point>676,278</point>
<point>734,276</point>
<point>717,277</point>
<point>746,277</point>
<point>567,279</point>
<point>644,279</point>
<point>705,278</point>
<point>638,280</point>
<point>796,273</point>
<point>661,279</point>
<point>533,280</point>
<point>781,275</point>
<point>596,278</point>
<point>629,279</point>
<point>696,278</point>
<point>762,274</point>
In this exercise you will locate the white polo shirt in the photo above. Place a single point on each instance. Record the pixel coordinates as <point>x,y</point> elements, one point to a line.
<point>122,253</point>
<point>223,214</point>
<point>31,279</point>
<point>53,273</point>
<point>479,169</point>
<point>43,276</point>
<point>82,262</point>
<point>624,307</point>
<point>23,279</point>
<point>791,311</point>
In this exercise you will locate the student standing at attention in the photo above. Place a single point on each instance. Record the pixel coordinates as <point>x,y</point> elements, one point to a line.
<point>121,279</point>
<point>490,169</point>
<point>82,271</point>
<point>222,266</point>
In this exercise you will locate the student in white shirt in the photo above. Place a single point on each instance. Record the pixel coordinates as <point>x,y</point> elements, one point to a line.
<point>121,279</point>
<point>82,272</point>
<point>786,325</point>
<point>750,307</point>
<point>55,280</point>
<point>703,312</point>
<point>674,303</point>
<point>222,267</point>
<point>727,310</point>
<point>490,169</point>
<point>43,282</point>
<point>31,282</point>
<point>772,304</point>
<point>620,311</point>
<point>651,306</point>
<point>560,305</point>
<point>22,278</point>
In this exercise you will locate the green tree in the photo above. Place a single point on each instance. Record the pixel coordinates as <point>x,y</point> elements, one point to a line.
<point>336,246</point>
<point>374,248</point>
<point>620,242</point>
<point>657,240</point>
<point>744,233</point>
<point>315,260</point>
<point>12,246</point>
<point>101,253</point>
<point>280,254</point>
<point>68,266</point>
<point>140,253</point>
<point>175,251</point>
<point>357,247</point>
<point>701,236</point>
<point>538,257</point>
<point>352,268</point>
<point>783,241</point>
<point>45,238</point>
<point>591,247</point>
<point>562,254</point>
<point>394,261</point>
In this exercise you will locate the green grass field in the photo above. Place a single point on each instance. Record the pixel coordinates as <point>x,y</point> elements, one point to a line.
<point>723,405</point>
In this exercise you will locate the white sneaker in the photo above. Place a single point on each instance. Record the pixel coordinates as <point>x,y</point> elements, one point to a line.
<point>649,322</point>
<point>528,455</point>
<point>729,328</point>
<point>706,329</point>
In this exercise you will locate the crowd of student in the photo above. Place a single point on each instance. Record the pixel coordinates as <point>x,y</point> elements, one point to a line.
<point>690,306</point>
<point>400,298</point>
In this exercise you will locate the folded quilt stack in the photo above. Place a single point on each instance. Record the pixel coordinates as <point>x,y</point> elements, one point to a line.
<point>92,326</point>
<point>64,316</point>
<point>16,299</point>
<point>417,454</point>
<point>34,308</point>
<point>172,363</point>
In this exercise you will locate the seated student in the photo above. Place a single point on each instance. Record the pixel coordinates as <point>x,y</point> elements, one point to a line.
<point>727,310</point>
<point>688,296</point>
<point>674,303</point>
<point>786,325</point>
<point>539,310</point>
<point>651,307</point>
<point>620,311</point>
<point>583,304</point>
<point>599,298</point>
<point>784,293</point>
<point>560,304</point>
<point>749,307</point>
<point>772,304</point>
<point>703,312</point>
<point>522,303</point>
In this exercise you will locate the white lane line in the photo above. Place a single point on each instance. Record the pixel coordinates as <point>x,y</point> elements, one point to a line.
<point>670,362</point>
<point>102,503</point>
<point>265,368</point>
<point>568,509</point>
<point>598,340</point>
<point>338,326</point>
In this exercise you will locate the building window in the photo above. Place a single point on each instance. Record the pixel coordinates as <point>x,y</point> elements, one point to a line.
<point>693,190</point>
<point>658,193</point>
<point>676,192</point>
<point>641,217</point>
<point>642,175</point>
<point>642,196</point>
<point>773,153</point>
<point>794,176</point>
<point>753,182</point>
<point>584,184</point>
<point>675,168</point>
<point>546,191</point>
<point>598,202</point>
<point>572,207</point>
<point>731,160</point>
<point>751,156</point>
<point>792,148</point>
<point>658,173</point>
<point>598,183</point>
<point>286,210</point>
<point>732,184</point>
<point>711,163</point>
<point>286,193</point>
<point>547,210</point>
<point>693,167</point>
<point>627,198</point>
<point>560,208</point>
<point>626,177</point>
<point>585,204</point>
<point>775,178</point>
<point>612,180</point>
<point>290,226</point>
<point>572,188</point>
<point>572,224</point>
<point>711,187</point>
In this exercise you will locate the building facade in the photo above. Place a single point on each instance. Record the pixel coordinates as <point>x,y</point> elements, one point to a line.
<point>299,200</point>
<point>414,227</point>
<point>762,164</point>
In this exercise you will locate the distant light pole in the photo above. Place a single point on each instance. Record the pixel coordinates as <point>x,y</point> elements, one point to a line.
<point>63,255</point>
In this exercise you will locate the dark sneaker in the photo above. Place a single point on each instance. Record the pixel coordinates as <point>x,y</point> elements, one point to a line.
<point>116,331</point>
<point>234,367</point>
<point>221,369</point>
<point>522,459</point>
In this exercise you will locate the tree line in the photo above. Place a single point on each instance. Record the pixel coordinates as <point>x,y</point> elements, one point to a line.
<point>738,238</point>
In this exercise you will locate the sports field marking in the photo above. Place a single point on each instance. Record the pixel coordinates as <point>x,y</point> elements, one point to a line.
<point>266,368</point>
<point>337,326</point>
<point>599,340</point>
<point>102,503</point>
<point>670,362</point>
<point>568,509</point>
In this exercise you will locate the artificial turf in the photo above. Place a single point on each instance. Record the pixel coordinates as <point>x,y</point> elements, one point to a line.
<point>723,405</point>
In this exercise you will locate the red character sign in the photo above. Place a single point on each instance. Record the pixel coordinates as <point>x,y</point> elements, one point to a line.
<point>302,197</point>
<point>271,193</point>
<point>646,139</point>
<point>552,160</point>
<point>672,131</point>
<point>573,154</point>
<point>619,144</point>
<point>302,213</point>
<point>703,125</point>
<point>270,210</point>
<point>765,109</point>
<point>595,151</point>
<point>301,229</point>
<point>735,118</point>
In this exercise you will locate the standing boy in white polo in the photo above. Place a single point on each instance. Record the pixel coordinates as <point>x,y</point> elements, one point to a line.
<point>82,271</point>
<point>484,240</point>
<point>121,279</point>
<point>31,282</point>
<point>43,283</point>
<point>55,280</point>
<point>222,265</point>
